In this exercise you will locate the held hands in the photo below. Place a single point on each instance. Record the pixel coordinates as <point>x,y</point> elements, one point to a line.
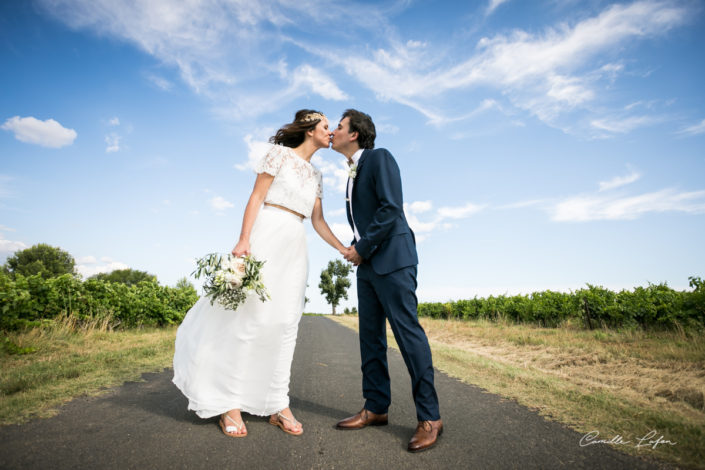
<point>241,249</point>
<point>351,254</point>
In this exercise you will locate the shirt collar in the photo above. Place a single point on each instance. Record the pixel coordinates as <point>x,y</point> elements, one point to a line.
<point>356,156</point>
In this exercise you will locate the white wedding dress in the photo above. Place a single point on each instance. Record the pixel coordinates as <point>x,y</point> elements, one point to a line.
<point>227,359</point>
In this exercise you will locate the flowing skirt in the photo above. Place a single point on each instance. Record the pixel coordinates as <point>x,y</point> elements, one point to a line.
<point>227,359</point>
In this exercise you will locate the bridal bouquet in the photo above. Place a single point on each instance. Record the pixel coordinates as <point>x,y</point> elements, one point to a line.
<point>230,278</point>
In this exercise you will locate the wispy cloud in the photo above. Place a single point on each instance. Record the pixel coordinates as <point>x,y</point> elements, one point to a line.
<point>226,50</point>
<point>623,125</point>
<point>160,82</point>
<point>492,6</point>
<point>237,54</point>
<point>220,204</point>
<point>618,181</point>
<point>48,133</point>
<point>112,142</point>
<point>438,218</point>
<point>695,129</point>
<point>598,207</point>
<point>547,74</point>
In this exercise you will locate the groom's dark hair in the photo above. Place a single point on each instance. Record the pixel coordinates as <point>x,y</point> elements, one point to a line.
<point>363,125</point>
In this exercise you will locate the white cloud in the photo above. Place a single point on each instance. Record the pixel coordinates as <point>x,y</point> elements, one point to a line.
<point>256,150</point>
<point>385,128</point>
<point>547,74</point>
<point>343,232</point>
<point>8,247</point>
<point>160,82</point>
<point>335,174</point>
<point>235,54</point>
<point>114,121</point>
<point>522,204</point>
<point>423,228</point>
<point>590,207</point>
<point>492,6</point>
<point>112,142</point>
<point>459,212</point>
<point>88,266</point>
<point>309,78</point>
<point>618,181</point>
<point>418,207</point>
<point>220,204</point>
<point>228,51</point>
<point>695,129</point>
<point>47,133</point>
<point>618,125</point>
<point>336,212</point>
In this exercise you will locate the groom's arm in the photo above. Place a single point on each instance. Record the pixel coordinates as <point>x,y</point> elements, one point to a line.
<point>388,191</point>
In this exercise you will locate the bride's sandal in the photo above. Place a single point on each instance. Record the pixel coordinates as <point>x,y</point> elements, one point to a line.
<point>277,421</point>
<point>229,430</point>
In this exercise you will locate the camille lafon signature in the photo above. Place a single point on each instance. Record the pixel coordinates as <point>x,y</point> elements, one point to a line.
<point>650,439</point>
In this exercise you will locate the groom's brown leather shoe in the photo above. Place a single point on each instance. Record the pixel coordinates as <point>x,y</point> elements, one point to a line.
<point>362,419</point>
<point>426,435</point>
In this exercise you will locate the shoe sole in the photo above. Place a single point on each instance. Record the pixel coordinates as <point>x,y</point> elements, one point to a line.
<point>414,451</point>
<point>341,428</point>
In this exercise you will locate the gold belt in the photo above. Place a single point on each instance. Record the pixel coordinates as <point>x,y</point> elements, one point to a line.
<point>284,209</point>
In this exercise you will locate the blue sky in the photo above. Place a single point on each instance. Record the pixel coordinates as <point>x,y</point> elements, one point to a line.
<point>543,145</point>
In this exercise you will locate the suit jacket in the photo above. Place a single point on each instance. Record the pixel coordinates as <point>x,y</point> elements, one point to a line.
<point>386,240</point>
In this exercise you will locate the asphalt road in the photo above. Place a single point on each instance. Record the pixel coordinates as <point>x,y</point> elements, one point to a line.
<point>145,425</point>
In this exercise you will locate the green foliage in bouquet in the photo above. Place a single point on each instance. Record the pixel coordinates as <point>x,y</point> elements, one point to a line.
<point>229,279</point>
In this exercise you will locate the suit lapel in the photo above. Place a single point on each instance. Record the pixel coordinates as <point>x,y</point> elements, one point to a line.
<point>360,162</point>
<point>348,204</point>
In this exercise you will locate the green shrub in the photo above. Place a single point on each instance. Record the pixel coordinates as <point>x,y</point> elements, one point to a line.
<point>654,306</point>
<point>26,301</point>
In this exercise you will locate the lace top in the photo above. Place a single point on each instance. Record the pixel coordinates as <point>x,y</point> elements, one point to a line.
<point>296,183</point>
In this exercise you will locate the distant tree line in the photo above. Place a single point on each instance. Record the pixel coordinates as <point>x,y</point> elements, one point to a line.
<point>654,306</point>
<point>40,283</point>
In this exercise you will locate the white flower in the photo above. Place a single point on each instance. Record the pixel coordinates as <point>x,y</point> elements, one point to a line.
<point>352,171</point>
<point>236,265</point>
<point>233,279</point>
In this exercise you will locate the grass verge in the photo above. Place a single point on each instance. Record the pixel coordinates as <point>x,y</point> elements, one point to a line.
<point>42,368</point>
<point>618,383</point>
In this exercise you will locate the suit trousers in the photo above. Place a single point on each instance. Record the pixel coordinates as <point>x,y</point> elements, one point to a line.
<point>393,297</point>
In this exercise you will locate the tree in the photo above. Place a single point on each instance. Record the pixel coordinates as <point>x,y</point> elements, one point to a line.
<point>334,282</point>
<point>184,283</point>
<point>47,260</point>
<point>130,277</point>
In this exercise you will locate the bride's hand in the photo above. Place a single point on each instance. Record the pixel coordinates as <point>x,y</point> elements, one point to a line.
<point>242,248</point>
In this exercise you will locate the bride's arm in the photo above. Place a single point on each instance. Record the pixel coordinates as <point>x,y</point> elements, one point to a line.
<point>321,227</point>
<point>262,184</point>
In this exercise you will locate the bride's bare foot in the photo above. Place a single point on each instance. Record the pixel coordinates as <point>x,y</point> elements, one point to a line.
<point>286,421</point>
<point>232,425</point>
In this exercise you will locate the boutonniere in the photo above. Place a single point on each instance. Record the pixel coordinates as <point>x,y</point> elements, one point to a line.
<point>352,171</point>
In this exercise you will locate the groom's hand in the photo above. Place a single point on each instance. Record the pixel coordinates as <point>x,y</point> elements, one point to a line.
<point>352,255</point>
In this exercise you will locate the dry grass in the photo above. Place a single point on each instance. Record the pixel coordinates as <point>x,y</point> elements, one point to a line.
<point>619,383</point>
<point>42,368</point>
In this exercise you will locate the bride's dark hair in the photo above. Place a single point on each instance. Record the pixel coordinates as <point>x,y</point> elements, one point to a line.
<point>294,133</point>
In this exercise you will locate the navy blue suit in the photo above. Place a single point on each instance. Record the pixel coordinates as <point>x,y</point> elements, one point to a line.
<point>386,286</point>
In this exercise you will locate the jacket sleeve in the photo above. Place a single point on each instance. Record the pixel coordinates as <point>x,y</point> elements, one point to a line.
<point>389,195</point>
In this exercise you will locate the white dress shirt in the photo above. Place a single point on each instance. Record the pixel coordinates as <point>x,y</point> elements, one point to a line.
<point>356,156</point>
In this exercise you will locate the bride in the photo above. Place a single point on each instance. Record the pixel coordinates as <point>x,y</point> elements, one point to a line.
<point>227,362</point>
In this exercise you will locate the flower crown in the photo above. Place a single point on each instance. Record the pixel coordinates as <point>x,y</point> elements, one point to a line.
<point>313,117</point>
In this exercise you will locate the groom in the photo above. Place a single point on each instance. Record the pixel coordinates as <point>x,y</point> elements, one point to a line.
<point>384,250</point>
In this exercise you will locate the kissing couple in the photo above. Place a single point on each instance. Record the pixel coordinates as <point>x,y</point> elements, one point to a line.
<point>228,362</point>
